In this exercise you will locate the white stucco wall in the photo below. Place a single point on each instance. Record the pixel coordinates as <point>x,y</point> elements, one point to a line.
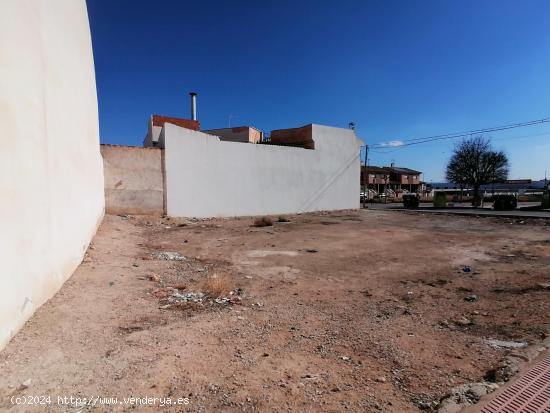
<point>153,133</point>
<point>206,177</point>
<point>51,174</point>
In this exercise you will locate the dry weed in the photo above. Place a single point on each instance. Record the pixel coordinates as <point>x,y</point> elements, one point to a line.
<point>217,286</point>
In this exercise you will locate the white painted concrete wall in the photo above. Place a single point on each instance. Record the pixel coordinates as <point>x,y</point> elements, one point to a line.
<point>206,177</point>
<point>153,133</point>
<point>51,173</point>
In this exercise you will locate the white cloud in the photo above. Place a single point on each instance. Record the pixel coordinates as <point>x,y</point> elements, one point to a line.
<point>392,144</point>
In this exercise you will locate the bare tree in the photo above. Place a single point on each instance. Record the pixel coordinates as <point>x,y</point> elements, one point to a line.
<point>475,163</point>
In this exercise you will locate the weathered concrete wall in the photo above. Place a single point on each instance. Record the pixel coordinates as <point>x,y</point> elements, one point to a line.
<point>206,177</point>
<point>51,174</point>
<point>133,180</point>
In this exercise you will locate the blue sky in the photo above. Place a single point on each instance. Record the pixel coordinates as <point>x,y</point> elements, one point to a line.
<point>398,69</point>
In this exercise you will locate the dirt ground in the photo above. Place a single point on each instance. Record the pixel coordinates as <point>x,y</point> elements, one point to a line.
<point>353,311</point>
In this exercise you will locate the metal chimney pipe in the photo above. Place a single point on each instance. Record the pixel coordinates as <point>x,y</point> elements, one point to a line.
<point>193,105</point>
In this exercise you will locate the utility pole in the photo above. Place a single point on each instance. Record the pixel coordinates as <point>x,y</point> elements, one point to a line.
<point>366,179</point>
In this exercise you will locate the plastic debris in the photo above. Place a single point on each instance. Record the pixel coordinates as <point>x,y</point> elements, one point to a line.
<point>168,256</point>
<point>186,298</point>
<point>506,344</point>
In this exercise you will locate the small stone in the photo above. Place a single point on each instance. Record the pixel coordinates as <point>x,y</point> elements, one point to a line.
<point>450,406</point>
<point>153,277</point>
<point>408,297</point>
<point>501,374</point>
<point>463,321</point>
<point>492,387</point>
<point>477,391</point>
<point>381,379</point>
<point>471,298</point>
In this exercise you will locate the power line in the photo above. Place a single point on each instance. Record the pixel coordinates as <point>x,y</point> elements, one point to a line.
<point>471,132</point>
<point>508,138</point>
<point>418,141</point>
